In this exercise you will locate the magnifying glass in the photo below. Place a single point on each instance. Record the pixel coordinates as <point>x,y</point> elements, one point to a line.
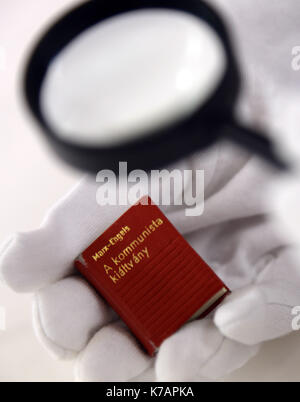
<point>147,82</point>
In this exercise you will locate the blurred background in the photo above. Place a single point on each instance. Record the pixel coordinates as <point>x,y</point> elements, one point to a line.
<point>32,179</point>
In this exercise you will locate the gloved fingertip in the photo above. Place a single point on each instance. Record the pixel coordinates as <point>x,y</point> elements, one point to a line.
<point>8,262</point>
<point>112,355</point>
<point>56,351</point>
<point>3,247</point>
<point>199,352</point>
<point>30,261</point>
<point>68,314</point>
<point>241,314</point>
<point>182,356</point>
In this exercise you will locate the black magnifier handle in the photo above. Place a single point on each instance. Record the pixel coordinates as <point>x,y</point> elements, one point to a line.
<point>256,142</point>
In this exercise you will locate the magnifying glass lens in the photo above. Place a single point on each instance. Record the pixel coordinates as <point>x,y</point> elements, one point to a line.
<point>138,80</point>
<point>130,75</point>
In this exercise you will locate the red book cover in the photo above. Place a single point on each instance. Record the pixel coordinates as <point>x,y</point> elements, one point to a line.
<point>150,275</point>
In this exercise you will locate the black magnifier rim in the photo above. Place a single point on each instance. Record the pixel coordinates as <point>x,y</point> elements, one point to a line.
<point>160,147</point>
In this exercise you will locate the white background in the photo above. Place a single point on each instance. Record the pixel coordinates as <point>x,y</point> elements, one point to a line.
<point>31,180</point>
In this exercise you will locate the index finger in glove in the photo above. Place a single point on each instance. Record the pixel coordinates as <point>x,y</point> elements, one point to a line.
<point>30,261</point>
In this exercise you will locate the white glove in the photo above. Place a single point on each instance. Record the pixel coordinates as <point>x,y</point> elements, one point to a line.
<point>234,235</point>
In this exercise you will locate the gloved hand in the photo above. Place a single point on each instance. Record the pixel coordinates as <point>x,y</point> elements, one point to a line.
<point>235,236</point>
